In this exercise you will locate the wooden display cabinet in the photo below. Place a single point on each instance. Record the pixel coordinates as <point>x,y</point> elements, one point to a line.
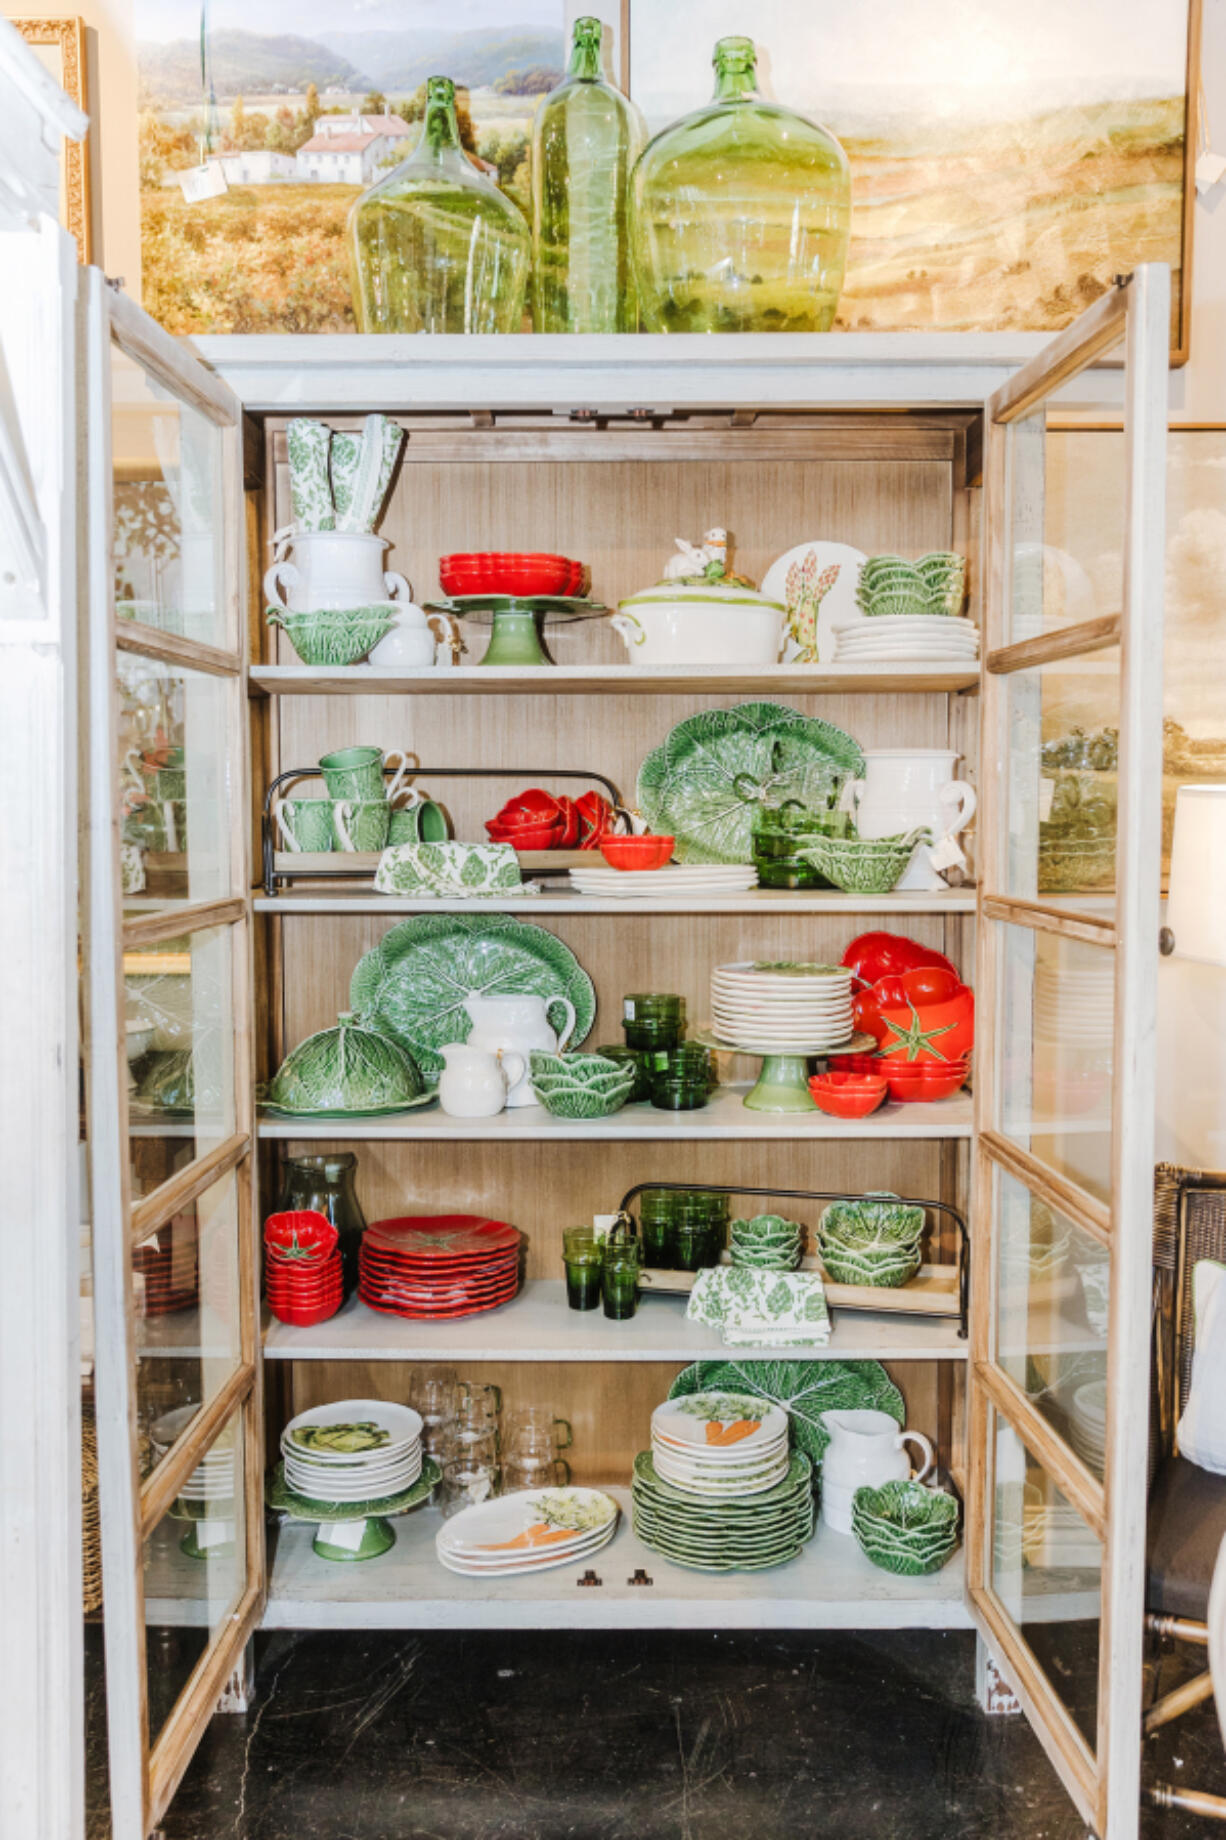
<point>607,449</point>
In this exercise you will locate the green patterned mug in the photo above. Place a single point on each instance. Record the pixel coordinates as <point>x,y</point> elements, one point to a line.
<point>418,820</point>
<point>357,773</point>
<point>306,825</point>
<point>361,824</point>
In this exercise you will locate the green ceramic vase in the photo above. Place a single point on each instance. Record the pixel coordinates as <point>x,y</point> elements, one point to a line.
<point>585,140</point>
<point>740,214</point>
<point>435,246</point>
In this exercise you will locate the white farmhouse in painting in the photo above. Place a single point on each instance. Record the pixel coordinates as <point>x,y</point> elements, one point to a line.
<point>349,149</point>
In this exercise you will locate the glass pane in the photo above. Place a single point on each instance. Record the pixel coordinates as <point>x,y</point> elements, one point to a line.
<point>1047,1572</point>
<point>1056,1034</point>
<point>1061,573</point>
<point>1053,1282</point>
<point>179,1001</point>
<point>1063,774</point>
<point>186,1298</point>
<point>195,1571</point>
<point>167,546</point>
<point>175,780</point>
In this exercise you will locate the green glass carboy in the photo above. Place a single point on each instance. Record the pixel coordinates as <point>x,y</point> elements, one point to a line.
<point>435,246</point>
<point>585,140</point>
<point>740,214</point>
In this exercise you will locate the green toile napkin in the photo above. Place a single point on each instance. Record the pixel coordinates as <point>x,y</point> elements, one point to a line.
<point>761,1309</point>
<point>309,491</point>
<point>452,869</point>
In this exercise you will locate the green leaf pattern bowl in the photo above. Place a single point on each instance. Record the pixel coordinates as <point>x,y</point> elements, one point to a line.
<point>906,1528</point>
<point>876,1241</point>
<point>329,638</point>
<point>768,1242</point>
<point>863,865</point>
<point>346,1069</point>
<point>581,1085</point>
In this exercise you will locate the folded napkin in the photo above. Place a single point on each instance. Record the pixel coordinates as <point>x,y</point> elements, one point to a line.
<point>761,1309</point>
<point>339,481</point>
<point>310,494</point>
<point>451,869</point>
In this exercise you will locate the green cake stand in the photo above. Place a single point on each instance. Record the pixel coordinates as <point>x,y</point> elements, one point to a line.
<point>350,1530</point>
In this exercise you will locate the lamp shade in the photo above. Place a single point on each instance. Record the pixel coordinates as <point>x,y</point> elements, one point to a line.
<point>1196,905</point>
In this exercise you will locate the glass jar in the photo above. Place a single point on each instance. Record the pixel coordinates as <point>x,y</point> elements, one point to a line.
<point>585,140</point>
<point>326,1183</point>
<point>435,246</point>
<point>740,214</point>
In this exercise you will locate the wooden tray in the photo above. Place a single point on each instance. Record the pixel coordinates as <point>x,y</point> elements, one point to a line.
<point>933,1291</point>
<point>362,863</point>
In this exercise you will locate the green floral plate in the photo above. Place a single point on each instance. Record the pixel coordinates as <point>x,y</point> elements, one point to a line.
<point>805,1389</point>
<point>707,783</point>
<point>412,985</point>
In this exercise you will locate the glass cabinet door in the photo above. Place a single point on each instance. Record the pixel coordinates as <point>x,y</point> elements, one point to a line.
<point>1070,832</point>
<point>169,1051</point>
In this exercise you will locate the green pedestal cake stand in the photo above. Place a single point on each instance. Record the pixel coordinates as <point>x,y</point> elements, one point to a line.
<point>199,1514</point>
<point>350,1530</point>
<point>517,620</point>
<point>783,1083</point>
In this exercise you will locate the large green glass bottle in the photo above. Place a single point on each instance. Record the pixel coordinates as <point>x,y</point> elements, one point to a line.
<point>435,246</point>
<point>740,214</point>
<point>585,140</point>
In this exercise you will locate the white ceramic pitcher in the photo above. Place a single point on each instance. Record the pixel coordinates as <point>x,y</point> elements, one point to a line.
<point>904,788</point>
<point>519,1023</point>
<point>416,641</point>
<point>866,1448</point>
<point>475,1083</point>
<point>336,570</point>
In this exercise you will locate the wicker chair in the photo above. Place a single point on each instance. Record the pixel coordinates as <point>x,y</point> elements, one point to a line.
<point>1187,1505</point>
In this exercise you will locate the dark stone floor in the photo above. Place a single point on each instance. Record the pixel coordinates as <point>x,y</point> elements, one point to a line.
<point>636,1736</point>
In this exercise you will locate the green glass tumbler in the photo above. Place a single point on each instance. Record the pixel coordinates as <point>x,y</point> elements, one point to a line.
<point>620,1277</point>
<point>583,1255</point>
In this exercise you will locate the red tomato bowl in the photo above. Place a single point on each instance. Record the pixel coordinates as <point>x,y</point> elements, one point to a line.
<point>921,1082</point>
<point>525,836</point>
<point>848,1095</point>
<point>637,852</point>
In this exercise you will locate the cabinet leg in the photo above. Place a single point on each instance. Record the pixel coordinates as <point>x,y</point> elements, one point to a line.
<point>996,1697</point>
<point>238,1691</point>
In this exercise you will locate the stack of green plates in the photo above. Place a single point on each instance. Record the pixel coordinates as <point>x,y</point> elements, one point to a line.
<point>745,1535</point>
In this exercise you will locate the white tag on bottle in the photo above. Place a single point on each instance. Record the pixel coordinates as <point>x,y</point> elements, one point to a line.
<point>346,1535</point>
<point>201,182</point>
<point>213,1533</point>
<point>1209,169</point>
<point>1047,792</point>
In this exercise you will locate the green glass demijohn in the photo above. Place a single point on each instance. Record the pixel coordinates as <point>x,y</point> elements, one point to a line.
<point>585,140</point>
<point>435,246</point>
<point>740,214</point>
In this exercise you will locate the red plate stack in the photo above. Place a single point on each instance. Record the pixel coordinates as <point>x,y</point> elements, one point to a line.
<point>168,1263</point>
<point>439,1265</point>
<point>302,1267</point>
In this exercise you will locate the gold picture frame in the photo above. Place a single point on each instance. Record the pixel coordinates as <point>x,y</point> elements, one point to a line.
<point>67,38</point>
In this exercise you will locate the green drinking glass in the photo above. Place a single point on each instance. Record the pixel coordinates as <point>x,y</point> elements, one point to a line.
<point>620,1277</point>
<point>583,1256</point>
<point>585,140</point>
<point>435,246</point>
<point>740,214</point>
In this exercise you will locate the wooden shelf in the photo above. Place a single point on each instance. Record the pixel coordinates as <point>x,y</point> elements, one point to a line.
<point>558,897</point>
<point>830,1586</point>
<point>538,1326</point>
<point>612,679</point>
<point>724,1118</point>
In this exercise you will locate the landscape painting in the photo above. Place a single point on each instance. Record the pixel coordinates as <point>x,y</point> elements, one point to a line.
<point>257,136</point>
<point>1007,160</point>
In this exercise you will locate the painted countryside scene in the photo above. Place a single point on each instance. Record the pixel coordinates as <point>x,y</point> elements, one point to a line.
<point>297,122</point>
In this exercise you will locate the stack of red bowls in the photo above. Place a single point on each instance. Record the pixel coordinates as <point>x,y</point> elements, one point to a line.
<point>438,1265</point>
<point>910,1082</point>
<point>520,573</point>
<point>302,1267</point>
<point>536,820</point>
<point>169,1268</point>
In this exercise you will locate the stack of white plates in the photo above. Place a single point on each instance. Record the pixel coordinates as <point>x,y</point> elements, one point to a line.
<point>1075,1007</point>
<point>1088,1424</point>
<point>529,1530</point>
<point>918,638</point>
<point>723,1445</point>
<point>354,1450</point>
<point>213,1477</point>
<point>794,1008</point>
<point>691,879</point>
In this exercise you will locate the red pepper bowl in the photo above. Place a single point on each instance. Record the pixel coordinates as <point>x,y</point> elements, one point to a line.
<point>848,1095</point>
<point>637,852</point>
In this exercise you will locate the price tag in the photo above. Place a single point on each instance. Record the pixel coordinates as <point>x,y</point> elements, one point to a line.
<point>1209,169</point>
<point>947,854</point>
<point>214,1533</point>
<point>603,1224</point>
<point>627,1009</point>
<point>346,1535</point>
<point>201,182</point>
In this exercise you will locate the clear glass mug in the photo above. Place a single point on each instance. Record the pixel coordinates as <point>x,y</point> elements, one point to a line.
<point>470,1475</point>
<point>434,1395</point>
<point>533,1428</point>
<point>477,1411</point>
<point>535,1469</point>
